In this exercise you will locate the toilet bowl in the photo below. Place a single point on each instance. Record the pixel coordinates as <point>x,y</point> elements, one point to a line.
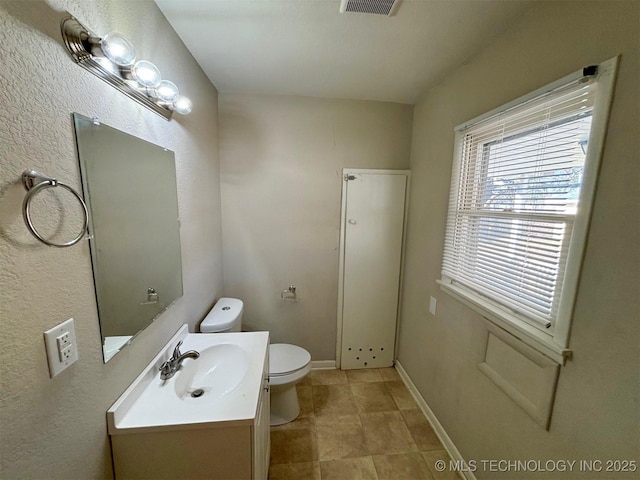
<point>288,364</point>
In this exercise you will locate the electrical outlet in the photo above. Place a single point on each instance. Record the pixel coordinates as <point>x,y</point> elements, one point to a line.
<point>65,353</point>
<point>61,346</point>
<point>63,341</point>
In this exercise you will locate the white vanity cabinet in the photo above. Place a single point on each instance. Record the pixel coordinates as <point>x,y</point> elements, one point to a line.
<point>262,429</point>
<point>227,438</point>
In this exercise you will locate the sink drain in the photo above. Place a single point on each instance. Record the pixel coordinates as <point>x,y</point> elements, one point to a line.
<point>197,393</point>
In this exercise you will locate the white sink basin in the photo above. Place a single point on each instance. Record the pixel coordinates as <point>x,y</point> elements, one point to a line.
<point>229,372</point>
<point>216,373</point>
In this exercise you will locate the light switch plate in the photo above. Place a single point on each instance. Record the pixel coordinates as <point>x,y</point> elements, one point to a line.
<point>62,350</point>
<point>432,305</point>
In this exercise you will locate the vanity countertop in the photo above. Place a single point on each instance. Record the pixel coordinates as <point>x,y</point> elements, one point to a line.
<point>230,373</point>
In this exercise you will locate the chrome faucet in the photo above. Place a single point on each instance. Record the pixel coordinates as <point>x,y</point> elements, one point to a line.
<point>171,366</point>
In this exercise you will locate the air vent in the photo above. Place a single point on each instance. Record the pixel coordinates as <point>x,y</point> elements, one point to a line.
<point>376,7</point>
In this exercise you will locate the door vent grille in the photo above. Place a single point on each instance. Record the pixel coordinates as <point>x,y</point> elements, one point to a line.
<point>376,7</point>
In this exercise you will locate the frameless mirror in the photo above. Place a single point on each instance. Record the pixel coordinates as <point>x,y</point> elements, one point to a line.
<point>130,189</point>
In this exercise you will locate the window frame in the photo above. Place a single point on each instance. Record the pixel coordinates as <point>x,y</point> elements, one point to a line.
<point>554,343</point>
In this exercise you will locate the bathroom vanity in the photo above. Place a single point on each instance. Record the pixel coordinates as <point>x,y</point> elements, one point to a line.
<point>210,420</point>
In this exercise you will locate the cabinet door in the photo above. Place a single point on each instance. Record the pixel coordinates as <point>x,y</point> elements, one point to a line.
<point>262,434</point>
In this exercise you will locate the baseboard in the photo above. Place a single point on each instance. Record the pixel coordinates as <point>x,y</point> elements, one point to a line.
<point>446,441</point>
<point>323,364</point>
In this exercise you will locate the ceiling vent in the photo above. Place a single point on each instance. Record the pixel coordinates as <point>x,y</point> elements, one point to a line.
<point>376,7</point>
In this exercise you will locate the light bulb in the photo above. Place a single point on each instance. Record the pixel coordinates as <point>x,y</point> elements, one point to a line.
<point>146,74</point>
<point>167,91</point>
<point>183,105</point>
<point>118,49</point>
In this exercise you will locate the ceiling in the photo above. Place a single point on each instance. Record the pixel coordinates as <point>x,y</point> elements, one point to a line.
<point>309,48</point>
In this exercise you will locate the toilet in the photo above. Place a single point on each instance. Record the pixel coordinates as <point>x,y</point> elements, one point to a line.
<point>288,364</point>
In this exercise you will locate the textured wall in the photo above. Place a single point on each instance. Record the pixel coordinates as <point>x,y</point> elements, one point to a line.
<point>596,414</point>
<point>281,162</point>
<point>55,428</point>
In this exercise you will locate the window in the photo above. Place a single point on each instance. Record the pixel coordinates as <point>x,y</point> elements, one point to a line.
<point>521,193</point>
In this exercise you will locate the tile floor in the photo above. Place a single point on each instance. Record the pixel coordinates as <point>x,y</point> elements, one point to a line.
<point>356,425</point>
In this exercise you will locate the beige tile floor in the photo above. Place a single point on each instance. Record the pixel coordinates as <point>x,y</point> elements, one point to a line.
<point>356,425</point>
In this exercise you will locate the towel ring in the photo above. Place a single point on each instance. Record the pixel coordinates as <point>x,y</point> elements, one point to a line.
<point>33,183</point>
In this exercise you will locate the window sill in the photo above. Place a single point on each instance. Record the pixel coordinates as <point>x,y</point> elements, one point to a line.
<point>538,340</point>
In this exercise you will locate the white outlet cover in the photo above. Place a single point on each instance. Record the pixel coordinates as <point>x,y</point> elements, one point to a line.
<point>54,347</point>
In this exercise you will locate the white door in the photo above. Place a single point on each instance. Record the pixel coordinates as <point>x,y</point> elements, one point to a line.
<point>373,212</point>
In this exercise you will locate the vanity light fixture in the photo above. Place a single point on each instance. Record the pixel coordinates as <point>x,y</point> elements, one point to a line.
<point>113,59</point>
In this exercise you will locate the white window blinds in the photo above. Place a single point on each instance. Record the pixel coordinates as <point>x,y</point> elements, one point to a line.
<point>515,192</point>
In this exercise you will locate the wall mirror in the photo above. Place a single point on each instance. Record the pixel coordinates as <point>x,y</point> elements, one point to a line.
<point>129,186</point>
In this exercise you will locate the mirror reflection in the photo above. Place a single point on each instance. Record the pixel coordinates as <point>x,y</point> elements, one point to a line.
<point>130,190</point>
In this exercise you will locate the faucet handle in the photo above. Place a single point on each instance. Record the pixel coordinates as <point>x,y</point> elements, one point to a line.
<point>165,369</point>
<point>176,351</point>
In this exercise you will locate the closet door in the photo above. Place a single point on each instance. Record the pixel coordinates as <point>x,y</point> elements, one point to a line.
<point>371,254</point>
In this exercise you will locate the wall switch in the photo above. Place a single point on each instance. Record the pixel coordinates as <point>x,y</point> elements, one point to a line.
<point>432,305</point>
<point>61,346</point>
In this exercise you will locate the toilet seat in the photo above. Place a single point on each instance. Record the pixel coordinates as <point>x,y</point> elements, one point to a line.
<point>286,359</point>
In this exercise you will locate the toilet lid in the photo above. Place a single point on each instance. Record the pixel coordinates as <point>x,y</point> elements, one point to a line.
<point>285,358</point>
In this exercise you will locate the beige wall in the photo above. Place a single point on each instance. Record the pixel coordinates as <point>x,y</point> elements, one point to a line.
<point>55,428</point>
<point>281,162</point>
<point>596,414</point>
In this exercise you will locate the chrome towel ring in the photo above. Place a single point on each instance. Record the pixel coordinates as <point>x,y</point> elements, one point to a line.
<point>33,183</point>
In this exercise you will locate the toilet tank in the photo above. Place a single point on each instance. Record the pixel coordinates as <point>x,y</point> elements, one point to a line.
<point>225,316</point>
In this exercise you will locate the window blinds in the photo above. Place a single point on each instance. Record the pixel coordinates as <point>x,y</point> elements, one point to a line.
<point>515,191</point>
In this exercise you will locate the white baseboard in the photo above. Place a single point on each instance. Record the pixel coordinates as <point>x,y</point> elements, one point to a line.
<point>446,441</point>
<point>323,364</point>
